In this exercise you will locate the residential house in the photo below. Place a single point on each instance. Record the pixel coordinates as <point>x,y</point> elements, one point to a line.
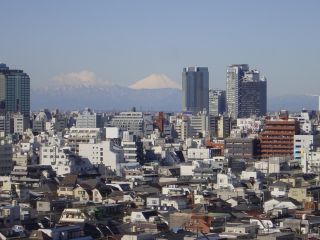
<point>279,189</point>
<point>75,216</point>
<point>9,214</point>
<point>138,201</point>
<point>67,232</point>
<point>178,203</point>
<point>100,193</point>
<point>288,203</point>
<point>82,192</point>
<point>67,186</point>
<point>251,230</point>
<point>144,216</point>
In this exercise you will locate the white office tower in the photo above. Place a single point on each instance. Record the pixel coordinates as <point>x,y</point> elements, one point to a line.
<point>18,123</point>
<point>105,152</point>
<point>89,119</point>
<point>129,121</point>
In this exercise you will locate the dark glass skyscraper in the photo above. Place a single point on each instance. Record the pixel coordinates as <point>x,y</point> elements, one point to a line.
<point>246,92</point>
<point>195,89</point>
<point>253,95</point>
<point>14,91</point>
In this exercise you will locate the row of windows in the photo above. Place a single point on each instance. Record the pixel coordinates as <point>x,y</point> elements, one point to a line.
<point>51,156</point>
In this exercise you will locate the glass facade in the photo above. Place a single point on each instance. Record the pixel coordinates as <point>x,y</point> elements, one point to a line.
<point>14,91</point>
<point>195,89</point>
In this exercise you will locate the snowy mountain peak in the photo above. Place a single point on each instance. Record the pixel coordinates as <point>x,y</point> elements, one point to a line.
<point>155,81</point>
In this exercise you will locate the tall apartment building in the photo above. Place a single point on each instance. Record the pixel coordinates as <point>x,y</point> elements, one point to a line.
<point>132,147</point>
<point>246,92</point>
<point>6,163</point>
<point>305,144</point>
<point>217,102</point>
<point>195,89</point>
<point>18,123</point>
<point>277,137</point>
<point>220,126</point>
<point>14,91</point>
<point>182,127</point>
<point>3,125</point>
<point>200,124</point>
<point>78,136</point>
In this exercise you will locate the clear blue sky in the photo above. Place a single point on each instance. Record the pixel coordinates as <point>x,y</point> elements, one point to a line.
<point>124,41</point>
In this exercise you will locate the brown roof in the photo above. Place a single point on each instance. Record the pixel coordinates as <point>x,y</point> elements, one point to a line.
<point>69,180</point>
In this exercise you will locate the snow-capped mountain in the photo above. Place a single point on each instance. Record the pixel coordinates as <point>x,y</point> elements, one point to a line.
<point>111,97</point>
<point>155,81</point>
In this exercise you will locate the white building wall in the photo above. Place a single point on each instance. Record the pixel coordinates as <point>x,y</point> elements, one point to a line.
<point>61,163</point>
<point>112,132</point>
<point>187,170</point>
<point>304,144</point>
<point>310,162</point>
<point>18,123</point>
<point>104,152</point>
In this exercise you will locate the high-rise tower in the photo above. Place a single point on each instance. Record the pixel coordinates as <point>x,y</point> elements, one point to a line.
<point>246,92</point>
<point>14,91</point>
<point>253,95</point>
<point>235,73</point>
<point>195,89</point>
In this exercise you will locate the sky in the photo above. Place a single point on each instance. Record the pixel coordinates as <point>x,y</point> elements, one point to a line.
<point>121,42</point>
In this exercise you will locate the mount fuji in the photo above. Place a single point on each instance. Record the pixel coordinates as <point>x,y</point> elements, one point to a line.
<point>79,90</point>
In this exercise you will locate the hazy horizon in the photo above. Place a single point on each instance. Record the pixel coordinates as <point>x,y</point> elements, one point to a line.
<point>122,42</point>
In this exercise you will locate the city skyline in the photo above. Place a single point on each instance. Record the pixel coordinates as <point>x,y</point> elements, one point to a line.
<point>138,38</point>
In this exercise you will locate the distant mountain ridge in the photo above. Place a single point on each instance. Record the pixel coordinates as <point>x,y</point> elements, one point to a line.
<point>118,98</point>
<point>110,97</point>
<point>292,102</point>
